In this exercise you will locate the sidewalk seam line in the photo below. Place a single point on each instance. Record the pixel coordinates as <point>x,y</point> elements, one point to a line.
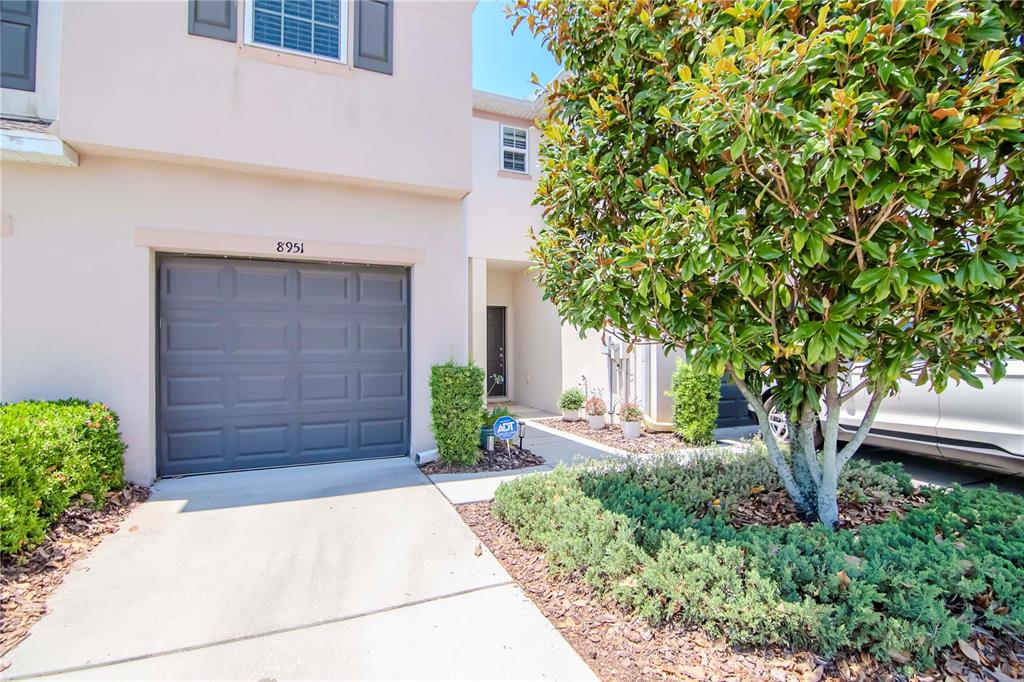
<point>259,635</point>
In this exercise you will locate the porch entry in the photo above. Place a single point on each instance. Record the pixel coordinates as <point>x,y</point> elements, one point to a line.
<point>496,344</point>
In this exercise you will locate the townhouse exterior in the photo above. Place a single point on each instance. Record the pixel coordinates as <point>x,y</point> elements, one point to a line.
<point>251,227</point>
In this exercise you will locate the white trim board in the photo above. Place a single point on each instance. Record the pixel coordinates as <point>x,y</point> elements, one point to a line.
<point>266,246</point>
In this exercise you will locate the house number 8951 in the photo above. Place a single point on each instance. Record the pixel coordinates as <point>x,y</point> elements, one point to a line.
<point>291,247</point>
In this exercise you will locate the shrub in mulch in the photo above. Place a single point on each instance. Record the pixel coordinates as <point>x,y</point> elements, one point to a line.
<point>501,459</point>
<point>917,580</point>
<point>649,442</point>
<point>619,645</point>
<point>776,508</point>
<point>28,579</point>
<point>51,452</point>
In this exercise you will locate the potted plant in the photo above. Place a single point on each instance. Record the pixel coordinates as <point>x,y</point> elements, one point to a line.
<point>631,415</point>
<point>571,401</point>
<point>595,412</point>
<point>487,420</point>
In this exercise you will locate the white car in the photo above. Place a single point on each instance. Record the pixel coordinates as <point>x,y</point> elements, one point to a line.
<point>980,427</point>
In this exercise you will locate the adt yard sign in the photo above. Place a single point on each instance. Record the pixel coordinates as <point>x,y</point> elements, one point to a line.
<point>506,428</point>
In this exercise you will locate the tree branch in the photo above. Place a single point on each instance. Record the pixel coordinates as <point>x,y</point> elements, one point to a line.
<point>830,434</point>
<point>806,437</point>
<point>774,454</point>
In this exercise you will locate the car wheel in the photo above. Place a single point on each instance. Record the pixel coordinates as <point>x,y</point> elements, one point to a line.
<point>779,425</point>
<point>777,422</point>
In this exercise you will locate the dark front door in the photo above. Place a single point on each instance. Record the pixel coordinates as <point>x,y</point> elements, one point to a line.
<point>267,363</point>
<point>496,351</point>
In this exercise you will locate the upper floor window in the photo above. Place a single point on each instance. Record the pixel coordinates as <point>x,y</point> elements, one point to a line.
<point>19,21</point>
<point>311,27</point>
<point>514,148</point>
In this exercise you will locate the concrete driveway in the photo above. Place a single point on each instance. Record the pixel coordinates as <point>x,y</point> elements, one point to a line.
<point>357,570</point>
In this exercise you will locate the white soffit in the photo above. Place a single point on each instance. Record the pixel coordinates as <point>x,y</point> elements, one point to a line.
<point>512,107</point>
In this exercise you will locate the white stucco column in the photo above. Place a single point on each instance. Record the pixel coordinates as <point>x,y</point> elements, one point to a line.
<point>478,311</point>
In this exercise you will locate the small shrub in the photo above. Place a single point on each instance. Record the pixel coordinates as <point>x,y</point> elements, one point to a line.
<point>456,402</point>
<point>572,399</point>
<point>630,412</point>
<point>905,589</point>
<point>694,404</point>
<point>596,406</point>
<point>50,453</point>
<point>499,411</point>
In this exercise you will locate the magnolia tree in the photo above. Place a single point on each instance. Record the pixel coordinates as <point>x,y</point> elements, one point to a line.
<point>790,190</point>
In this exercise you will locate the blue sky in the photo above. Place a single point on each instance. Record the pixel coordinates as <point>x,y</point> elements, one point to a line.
<point>502,63</point>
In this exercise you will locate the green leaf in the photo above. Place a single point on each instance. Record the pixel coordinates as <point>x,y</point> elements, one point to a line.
<point>738,146</point>
<point>916,200</point>
<point>941,156</point>
<point>713,179</point>
<point>767,251</point>
<point>869,278</point>
<point>997,370</point>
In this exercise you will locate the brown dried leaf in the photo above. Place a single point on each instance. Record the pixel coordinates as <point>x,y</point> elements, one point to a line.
<point>969,651</point>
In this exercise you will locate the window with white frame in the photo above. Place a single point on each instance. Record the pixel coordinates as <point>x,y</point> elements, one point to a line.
<point>514,148</point>
<point>310,27</point>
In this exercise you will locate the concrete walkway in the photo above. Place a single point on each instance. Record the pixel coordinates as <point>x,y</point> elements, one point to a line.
<point>556,447</point>
<point>357,570</point>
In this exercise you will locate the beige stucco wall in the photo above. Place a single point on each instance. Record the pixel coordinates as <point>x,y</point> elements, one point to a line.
<point>584,358</point>
<point>539,355</point>
<point>41,103</point>
<point>78,293</point>
<point>133,78</point>
<point>499,211</point>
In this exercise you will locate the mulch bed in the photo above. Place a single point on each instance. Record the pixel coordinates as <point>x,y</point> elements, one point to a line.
<point>27,580</point>
<point>775,508</point>
<point>620,646</point>
<point>502,459</point>
<point>648,443</point>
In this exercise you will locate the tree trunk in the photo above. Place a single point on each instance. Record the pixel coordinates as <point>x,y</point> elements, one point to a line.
<point>806,508</point>
<point>812,478</point>
<point>828,503</point>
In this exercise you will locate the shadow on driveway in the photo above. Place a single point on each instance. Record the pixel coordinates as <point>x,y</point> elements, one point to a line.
<point>270,486</point>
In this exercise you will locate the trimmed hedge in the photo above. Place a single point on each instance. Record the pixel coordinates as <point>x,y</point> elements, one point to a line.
<point>694,404</point>
<point>903,589</point>
<point>50,453</point>
<point>456,402</point>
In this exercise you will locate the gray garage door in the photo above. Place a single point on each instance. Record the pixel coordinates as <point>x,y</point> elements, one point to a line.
<point>269,363</point>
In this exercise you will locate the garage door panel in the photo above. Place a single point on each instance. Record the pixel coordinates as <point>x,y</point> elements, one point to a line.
<point>382,385</point>
<point>318,287</point>
<point>382,338</point>
<point>193,282</point>
<point>190,392</point>
<point>381,432</point>
<point>269,364</point>
<point>194,445</point>
<point>383,289</point>
<point>261,284</point>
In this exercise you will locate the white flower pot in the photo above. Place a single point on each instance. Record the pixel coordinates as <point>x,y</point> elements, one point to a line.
<point>631,430</point>
<point>596,421</point>
<point>571,415</point>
